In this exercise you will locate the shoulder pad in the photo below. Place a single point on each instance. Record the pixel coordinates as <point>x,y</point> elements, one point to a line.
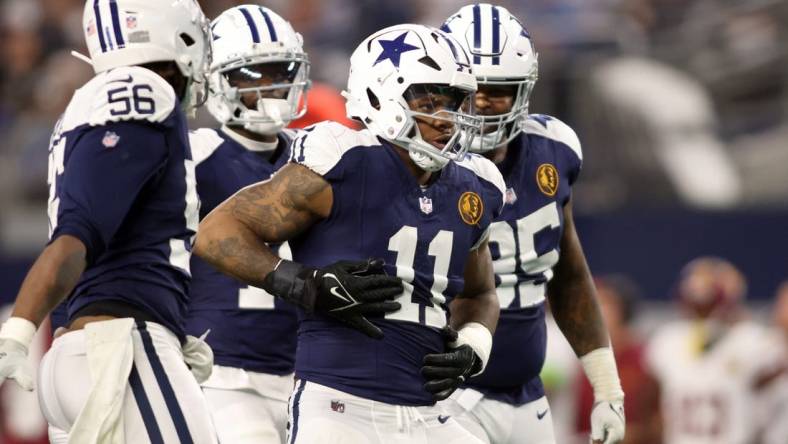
<point>484,169</point>
<point>204,143</point>
<point>321,146</point>
<point>553,129</point>
<point>122,94</point>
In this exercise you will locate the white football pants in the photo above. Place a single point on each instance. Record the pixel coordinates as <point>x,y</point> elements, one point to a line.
<point>248,407</point>
<point>496,422</point>
<point>322,415</point>
<point>162,402</point>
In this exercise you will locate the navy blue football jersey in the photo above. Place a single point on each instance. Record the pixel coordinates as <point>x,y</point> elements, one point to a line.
<point>423,233</point>
<point>121,180</point>
<point>540,167</point>
<point>250,329</point>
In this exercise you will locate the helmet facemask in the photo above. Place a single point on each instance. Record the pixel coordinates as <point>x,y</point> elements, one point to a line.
<point>446,115</point>
<point>279,83</point>
<point>500,129</point>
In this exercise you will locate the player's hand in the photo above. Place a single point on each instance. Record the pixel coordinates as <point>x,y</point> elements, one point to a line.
<point>349,291</point>
<point>445,372</point>
<point>14,365</point>
<point>607,422</point>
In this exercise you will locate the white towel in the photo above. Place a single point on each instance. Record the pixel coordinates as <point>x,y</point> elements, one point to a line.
<point>198,356</point>
<point>110,354</point>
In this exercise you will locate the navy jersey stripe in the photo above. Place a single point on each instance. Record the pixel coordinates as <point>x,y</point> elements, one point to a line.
<point>113,8</point>
<point>252,26</point>
<point>296,412</point>
<point>164,385</point>
<point>271,29</point>
<point>99,26</point>
<point>477,32</point>
<point>496,35</point>
<point>143,403</point>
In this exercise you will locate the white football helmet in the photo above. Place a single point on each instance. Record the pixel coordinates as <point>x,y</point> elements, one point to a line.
<point>398,61</point>
<point>245,38</point>
<point>502,54</point>
<point>134,32</point>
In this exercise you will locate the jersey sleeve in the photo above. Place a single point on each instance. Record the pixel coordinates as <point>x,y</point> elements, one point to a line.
<point>321,147</point>
<point>565,138</point>
<point>130,94</point>
<point>103,175</point>
<point>204,143</point>
<point>493,190</point>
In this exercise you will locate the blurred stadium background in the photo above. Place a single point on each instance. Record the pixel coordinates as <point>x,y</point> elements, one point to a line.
<point>681,105</point>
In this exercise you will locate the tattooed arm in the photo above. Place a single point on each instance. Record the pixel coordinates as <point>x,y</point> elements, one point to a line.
<point>233,236</point>
<point>50,279</point>
<point>572,295</point>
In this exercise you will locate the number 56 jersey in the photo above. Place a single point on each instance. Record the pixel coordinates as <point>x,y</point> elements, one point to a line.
<point>122,181</point>
<point>423,233</point>
<point>540,166</point>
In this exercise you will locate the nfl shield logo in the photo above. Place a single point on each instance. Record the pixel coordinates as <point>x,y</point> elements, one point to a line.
<point>425,203</point>
<point>110,139</point>
<point>131,21</point>
<point>91,29</point>
<point>511,196</point>
<point>337,406</point>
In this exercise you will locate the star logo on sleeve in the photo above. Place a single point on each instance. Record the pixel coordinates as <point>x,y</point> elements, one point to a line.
<point>393,49</point>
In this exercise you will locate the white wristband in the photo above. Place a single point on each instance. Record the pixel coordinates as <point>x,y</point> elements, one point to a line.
<point>19,329</point>
<point>479,338</point>
<point>600,369</point>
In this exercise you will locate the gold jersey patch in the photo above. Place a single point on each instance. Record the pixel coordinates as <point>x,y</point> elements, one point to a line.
<point>547,179</point>
<point>471,207</point>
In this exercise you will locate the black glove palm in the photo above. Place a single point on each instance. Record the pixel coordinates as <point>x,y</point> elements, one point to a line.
<point>445,372</point>
<point>346,290</point>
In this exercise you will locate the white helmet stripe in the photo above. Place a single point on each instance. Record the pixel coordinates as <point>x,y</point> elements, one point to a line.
<point>113,9</point>
<point>496,36</point>
<point>99,26</point>
<point>252,26</point>
<point>477,33</point>
<point>268,23</point>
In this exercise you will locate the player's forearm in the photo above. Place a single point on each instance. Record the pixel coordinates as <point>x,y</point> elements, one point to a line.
<point>51,278</point>
<point>576,312</point>
<point>232,248</point>
<point>482,308</point>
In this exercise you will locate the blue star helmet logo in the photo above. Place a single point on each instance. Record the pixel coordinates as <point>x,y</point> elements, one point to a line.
<point>393,49</point>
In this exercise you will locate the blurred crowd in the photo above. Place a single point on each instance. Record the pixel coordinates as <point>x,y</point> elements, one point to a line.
<point>677,102</point>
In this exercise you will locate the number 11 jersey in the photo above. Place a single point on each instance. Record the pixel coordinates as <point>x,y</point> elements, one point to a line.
<point>423,233</point>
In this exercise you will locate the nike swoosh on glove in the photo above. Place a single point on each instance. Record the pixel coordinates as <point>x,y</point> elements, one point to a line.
<point>349,291</point>
<point>608,422</point>
<point>14,365</point>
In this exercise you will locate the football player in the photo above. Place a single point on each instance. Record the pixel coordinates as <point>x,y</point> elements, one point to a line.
<point>258,78</point>
<point>402,191</point>
<point>535,248</point>
<point>122,212</point>
<point>708,364</point>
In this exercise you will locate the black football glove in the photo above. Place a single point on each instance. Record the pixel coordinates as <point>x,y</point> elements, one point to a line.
<point>445,372</point>
<point>346,290</point>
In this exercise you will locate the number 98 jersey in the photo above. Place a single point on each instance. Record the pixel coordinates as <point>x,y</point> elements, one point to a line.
<point>121,180</point>
<point>539,169</point>
<point>424,234</point>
